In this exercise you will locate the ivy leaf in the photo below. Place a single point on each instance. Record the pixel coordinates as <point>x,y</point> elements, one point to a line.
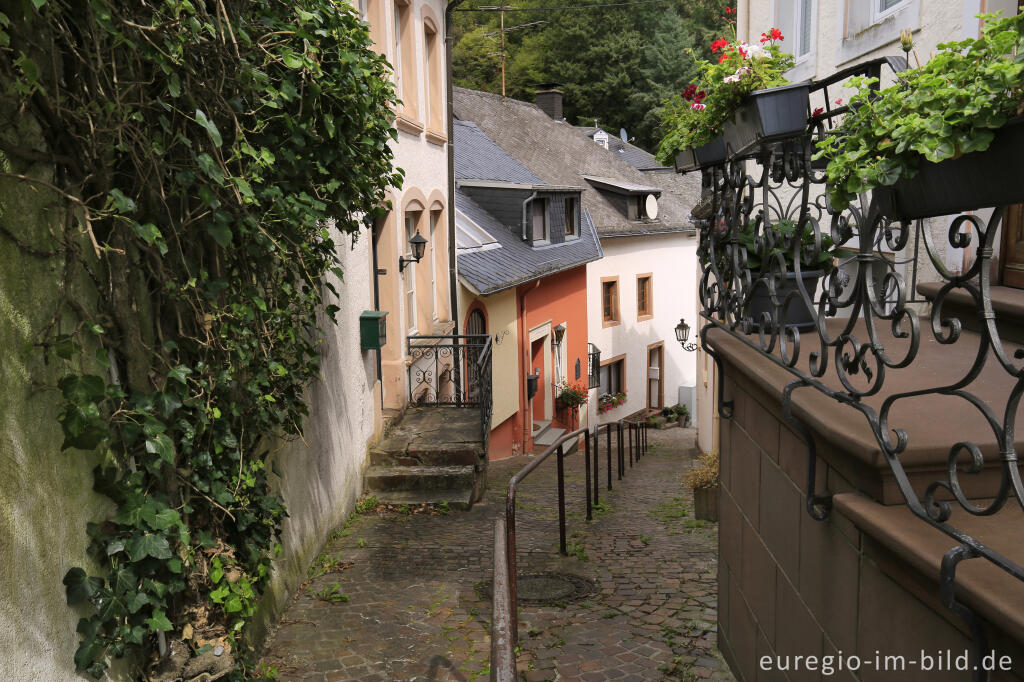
<point>149,544</point>
<point>167,403</point>
<point>80,587</point>
<point>137,600</point>
<point>174,85</point>
<point>161,445</point>
<point>210,126</point>
<point>84,388</point>
<point>122,203</point>
<point>221,233</point>
<point>179,373</point>
<point>159,622</point>
<point>164,519</point>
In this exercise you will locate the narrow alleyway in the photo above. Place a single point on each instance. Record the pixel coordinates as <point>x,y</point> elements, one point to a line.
<point>402,596</point>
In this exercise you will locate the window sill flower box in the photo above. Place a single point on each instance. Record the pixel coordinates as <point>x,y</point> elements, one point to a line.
<point>795,311</point>
<point>767,116</point>
<point>976,180</point>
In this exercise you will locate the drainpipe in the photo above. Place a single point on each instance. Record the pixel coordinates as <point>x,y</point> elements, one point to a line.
<point>449,43</point>
<point>525,202</point>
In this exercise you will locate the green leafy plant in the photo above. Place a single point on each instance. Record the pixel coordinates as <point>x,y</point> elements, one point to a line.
<point>332,594</point>
<point>367,505</point>
<point>944,109</point>
<point>811,258</point>
<point>204,189</point>
<point>681,410</point>
<point>696,116</point>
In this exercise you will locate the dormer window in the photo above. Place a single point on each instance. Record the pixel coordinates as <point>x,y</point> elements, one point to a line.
<point>539,218</point>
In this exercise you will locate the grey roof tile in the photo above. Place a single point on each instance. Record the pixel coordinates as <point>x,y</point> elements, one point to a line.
<point>561,154</point>
<point>477,157</point>
<point>490,270</point>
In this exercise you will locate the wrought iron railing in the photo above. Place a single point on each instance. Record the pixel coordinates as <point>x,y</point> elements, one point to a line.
<point>779,191</point>
<point>452,370</point>
<point>630,437</point>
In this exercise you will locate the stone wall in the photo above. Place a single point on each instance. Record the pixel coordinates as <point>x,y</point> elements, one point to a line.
<point>46,496</point>
<point>793,586</point>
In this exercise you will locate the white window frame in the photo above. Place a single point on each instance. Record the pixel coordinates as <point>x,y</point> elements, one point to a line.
<point>435,217</point>
<point>879,15</point>
<point>409,283</point>
<point>804,65</point>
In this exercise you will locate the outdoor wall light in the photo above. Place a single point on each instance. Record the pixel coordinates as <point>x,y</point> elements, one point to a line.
<point>683,333</point>
<point>419,245</point>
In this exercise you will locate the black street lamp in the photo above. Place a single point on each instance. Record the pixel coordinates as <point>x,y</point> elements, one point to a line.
<point>683,333</point>
<point>419,245</point>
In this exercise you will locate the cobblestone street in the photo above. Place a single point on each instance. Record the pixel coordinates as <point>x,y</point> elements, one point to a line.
<point>400,596</point>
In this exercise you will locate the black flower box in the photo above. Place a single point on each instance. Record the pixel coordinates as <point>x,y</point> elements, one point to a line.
<point>767,116</point>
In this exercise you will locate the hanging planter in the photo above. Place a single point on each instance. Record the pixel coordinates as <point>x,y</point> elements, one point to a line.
<point>975,180</point>
<point>767,116</point>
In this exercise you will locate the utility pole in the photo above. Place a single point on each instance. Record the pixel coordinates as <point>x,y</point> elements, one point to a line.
<point>502,31</point>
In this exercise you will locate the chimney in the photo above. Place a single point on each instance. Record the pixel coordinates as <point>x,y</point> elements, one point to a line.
<point>550,102</point>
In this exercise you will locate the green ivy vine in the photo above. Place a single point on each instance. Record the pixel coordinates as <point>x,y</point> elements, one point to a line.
<point>203,149</point>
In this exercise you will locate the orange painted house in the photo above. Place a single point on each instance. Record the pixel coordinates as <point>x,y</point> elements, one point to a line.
<point>522,249</point>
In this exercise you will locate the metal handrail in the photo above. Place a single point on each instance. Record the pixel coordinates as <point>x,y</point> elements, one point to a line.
<point>507,620</point>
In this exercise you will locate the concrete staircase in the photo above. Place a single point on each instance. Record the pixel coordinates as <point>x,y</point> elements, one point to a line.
<point>545,435</point>
<point>433,455</point>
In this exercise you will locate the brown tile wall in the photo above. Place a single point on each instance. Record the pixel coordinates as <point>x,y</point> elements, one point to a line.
<point>790,585</point>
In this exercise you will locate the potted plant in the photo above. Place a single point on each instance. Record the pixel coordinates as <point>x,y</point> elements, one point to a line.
<point>945,138</point>
<point>609,401</point>
<point>814,263</point>
<point>682,415</point>
<point>695,120</point>
<point>703,480</point>
<point>571,397</point>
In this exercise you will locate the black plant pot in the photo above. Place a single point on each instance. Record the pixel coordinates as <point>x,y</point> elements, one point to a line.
<point>713,153</point>
<point>686,160</point>
<point>704,156</point>
<point>975,180</point>
<point>797,313</point>
<point>767,116</point>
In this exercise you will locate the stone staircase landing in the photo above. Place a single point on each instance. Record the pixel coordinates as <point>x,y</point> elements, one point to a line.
<point>433,455</point>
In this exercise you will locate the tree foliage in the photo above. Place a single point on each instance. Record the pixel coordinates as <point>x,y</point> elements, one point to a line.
<point>617,65</point>
<point>201,147</point>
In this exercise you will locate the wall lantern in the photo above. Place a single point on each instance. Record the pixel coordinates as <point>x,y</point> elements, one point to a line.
<point>419,245</point>
<point>683,333</point>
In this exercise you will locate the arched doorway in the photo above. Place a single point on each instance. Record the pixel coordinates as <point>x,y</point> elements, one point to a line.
<point>476,323</point>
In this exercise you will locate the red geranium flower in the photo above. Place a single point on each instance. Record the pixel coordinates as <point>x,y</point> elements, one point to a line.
<point>688,93</point>
<point>719,44</point>
<point>765,38</point>
<point>839,101</point>
<point>777,34</point>
<point>819,110</point>
<point>699,97</point>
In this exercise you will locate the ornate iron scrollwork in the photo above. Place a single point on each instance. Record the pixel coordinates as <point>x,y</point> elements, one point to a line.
<point>769,219</point>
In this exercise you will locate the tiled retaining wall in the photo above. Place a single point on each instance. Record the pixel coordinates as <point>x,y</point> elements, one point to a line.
<point>790,585</point>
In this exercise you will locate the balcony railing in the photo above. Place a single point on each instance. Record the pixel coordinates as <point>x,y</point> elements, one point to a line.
<point>452,370</point>
<point>861,328</point>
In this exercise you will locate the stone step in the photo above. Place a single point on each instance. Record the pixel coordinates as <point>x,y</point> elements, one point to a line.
<point>434,454</point>
<point>548,436</point>
<point>461,498</point>
<point>419,478</point>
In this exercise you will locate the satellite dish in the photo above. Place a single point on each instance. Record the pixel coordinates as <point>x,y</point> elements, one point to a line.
<point>622,135</point>
<point>651,207</point>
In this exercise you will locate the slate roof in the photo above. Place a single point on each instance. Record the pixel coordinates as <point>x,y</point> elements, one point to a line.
<point>479,158</point>
<point>630,153</point>
<point>561,154</point>
<point>488,269</point>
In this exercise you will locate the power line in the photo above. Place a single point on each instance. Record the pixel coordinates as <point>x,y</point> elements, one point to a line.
<point>554,9</point>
